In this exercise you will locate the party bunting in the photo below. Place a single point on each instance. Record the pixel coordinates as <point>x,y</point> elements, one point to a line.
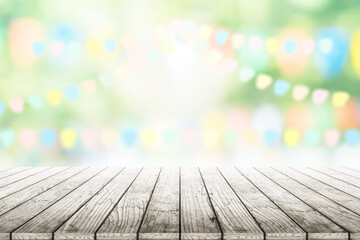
<point>272,138</point>
<point>7,138</point>
<point>312,137</point>
<point>68,138</point>
<point>108,137</point>
<point>352,137</point>
<point>16,105</point>
<point>48,137</point>
<point>281,87</point>
<point>332,137</point>
<point>291,137</point>
<point>54,97</point>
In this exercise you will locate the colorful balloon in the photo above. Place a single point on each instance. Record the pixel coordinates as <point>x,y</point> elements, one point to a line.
<point>355,52</point>
<point>332,48</point>
<point>291,57</point>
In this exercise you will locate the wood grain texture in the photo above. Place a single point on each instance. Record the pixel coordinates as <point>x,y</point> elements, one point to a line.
<point>198,220</point>
<point>336,183</point>
<point>49,220</point>
<point>340,176</point>
<point>174,203</point>
<point>16,198</point>
<point>316,225</point>
<point>26,182</point>
<point>235,220</point>
<point>348,220</point>
<point>275,223</point>
<point>326,190</point>
<point>3,169</point>
<point>161,219</point>
<point>348,171</point>
<point>124,220</point>
<point>20,176</point>
<point>88,219</point>
<point>16,217</point>
<point>11,171</point>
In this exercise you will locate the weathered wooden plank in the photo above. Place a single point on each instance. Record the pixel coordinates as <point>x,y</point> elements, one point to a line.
<point>348,171</point>
<point>198,220</point>
<point>26,182</point>
<point>11,171</point>
<point>340,176</point>
<point>47,222</point>
<point>14,218</point>
<point>336,183</point>
<point>326,190</point>
<point>87,220</point>
<point>124,220</point>
<point>235,220</point>
<point>3,170</point>
<point>161,219</point>
<point>348,220</point>
<point>275,223</point>
<point>27,193</point>
<point>21,175</point>
<point>316,225</point>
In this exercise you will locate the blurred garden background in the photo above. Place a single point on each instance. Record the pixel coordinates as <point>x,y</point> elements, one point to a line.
<point>158,82</point>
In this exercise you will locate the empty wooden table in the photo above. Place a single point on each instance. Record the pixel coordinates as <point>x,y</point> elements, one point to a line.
<point>179,203</point>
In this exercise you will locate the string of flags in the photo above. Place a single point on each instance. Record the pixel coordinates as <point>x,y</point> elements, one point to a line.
<point>292,47</point>
<point>53,97</point>
<point>299,91</point>
<point>70,138</point>
<point>245,74</point>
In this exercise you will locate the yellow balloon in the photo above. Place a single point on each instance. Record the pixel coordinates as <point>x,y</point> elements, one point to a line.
<point>68,138</point>
<point>291,137</point>
<point>108,137</point>
<point>54,97</point>
<point>355,52</point>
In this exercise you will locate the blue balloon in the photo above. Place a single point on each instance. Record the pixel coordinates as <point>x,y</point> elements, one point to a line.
<point>48,137</point>
<point>332,48</point>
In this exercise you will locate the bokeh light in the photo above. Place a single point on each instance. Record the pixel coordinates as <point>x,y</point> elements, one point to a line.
<point>179,83</point>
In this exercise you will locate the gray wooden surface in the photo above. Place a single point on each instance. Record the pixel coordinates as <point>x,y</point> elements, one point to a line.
<point>179,203</point>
